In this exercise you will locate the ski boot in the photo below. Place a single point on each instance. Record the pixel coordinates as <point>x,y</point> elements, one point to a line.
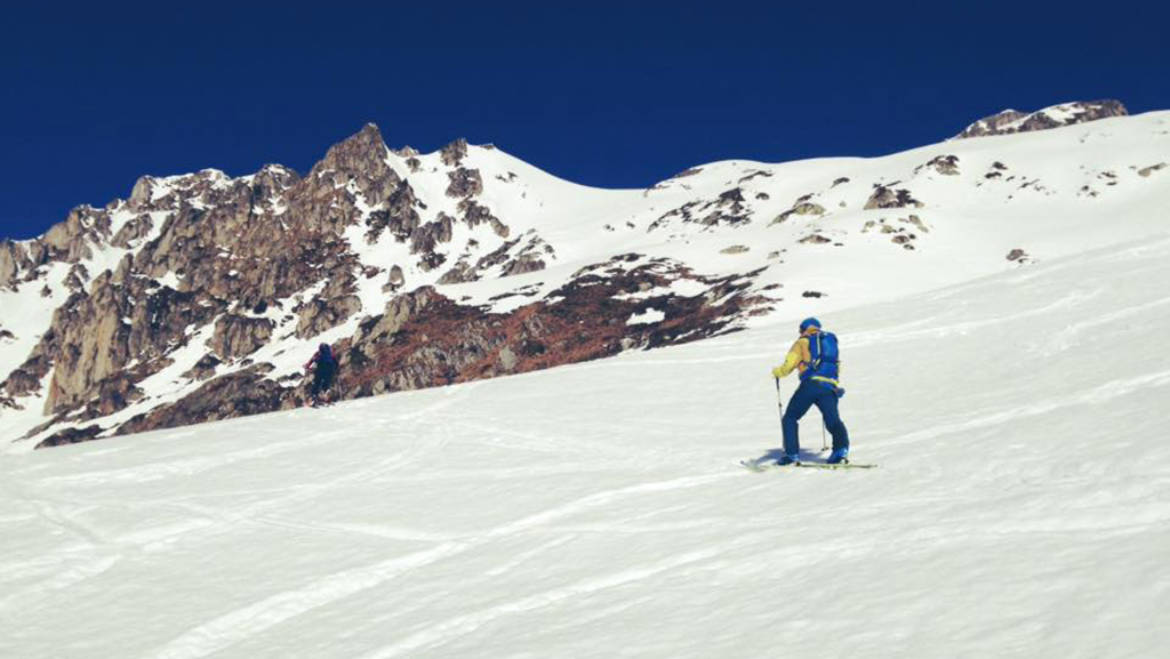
<point>838,456</point>
<point>788,460</point>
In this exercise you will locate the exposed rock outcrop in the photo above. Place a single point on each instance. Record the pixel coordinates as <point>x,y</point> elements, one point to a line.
<point>204,368</point>
<point>475,214</point>
<point>425,237</point>
<point>464,183</point>
<point>133,231</point>
<point>889,197</point>
<point>425,339</point>
<point>453,154</point>
<point>461,272</point>
<point>395,280</point>
<point>70,436</point>
<point>815,239</point>
<point>14,260</point>
<point>1013,121</point>
<point>730,208</point>
<point>801,207</point>
<point>945,165</point>
<point>237,394</point>
<point>321,314</point>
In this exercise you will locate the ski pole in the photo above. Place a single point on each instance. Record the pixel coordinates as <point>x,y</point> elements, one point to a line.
<point>779,401</point>
<point>824,445</point>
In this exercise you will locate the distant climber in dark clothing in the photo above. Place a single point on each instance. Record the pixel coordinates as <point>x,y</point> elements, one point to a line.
<point>326,368</point>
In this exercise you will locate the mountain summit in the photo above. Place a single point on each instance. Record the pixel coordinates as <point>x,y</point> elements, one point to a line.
<point>1065,114</point>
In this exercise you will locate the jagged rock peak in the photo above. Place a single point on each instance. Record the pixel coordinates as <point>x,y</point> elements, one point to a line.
<point>140,193</point>
<point>1065,114</point>
<point>277,175</point>
<point>365,145</point>
<point>276,169</point>
<point>369,133</point>
<point>454,153</point>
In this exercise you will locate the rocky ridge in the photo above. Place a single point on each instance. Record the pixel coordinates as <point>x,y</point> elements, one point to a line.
<point>1066,114</point>
<point>219,268</point>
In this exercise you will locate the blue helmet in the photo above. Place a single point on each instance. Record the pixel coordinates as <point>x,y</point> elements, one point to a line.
<point>809,322</point>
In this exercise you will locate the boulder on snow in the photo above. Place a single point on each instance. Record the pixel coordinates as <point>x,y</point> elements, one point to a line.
<point>1146,171</point>
<point>1018,255</point>
<point>801,207</point>
<point>888,197</point>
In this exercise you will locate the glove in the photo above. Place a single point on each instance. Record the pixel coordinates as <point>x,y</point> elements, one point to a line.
<point>840,392</point>
<point>778,372</point>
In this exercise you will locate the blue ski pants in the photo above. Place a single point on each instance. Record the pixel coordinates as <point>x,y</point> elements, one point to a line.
<point>809,393</point>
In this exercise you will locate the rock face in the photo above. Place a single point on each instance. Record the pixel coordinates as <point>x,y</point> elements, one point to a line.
<point>425,339</point>
<point>321,314</point>
<point>236,336</point>
<point>95,335</point>
<point>1013,121</point>
<point>13,260</point>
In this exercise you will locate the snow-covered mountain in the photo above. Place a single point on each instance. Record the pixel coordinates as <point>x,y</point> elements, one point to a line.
<point>199,297</point>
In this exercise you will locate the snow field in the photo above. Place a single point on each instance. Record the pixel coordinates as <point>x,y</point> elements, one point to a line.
<point>1021,506</point>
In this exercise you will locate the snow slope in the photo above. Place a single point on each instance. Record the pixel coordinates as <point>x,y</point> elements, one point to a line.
<point>1021,507</point>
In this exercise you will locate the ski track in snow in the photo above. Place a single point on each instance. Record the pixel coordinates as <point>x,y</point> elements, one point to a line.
<point>232,627</point>
<point>1021,505</point>
<point>983,419</point>
<point>467,623</point>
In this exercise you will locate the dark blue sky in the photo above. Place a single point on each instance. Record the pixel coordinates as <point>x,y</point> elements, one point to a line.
<point>609,94</point>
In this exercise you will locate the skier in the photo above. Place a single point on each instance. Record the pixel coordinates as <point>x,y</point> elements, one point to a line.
<point>322,374</point>
<point>815,355</point>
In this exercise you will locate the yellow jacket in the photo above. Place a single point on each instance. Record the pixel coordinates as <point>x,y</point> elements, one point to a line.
<point>798,357</point>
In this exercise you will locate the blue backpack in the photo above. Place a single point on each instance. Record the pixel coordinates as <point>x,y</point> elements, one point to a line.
<point>825,358</point>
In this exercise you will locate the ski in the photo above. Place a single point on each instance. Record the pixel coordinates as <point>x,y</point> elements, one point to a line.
<point>769,465</point>
<point>839,465</point>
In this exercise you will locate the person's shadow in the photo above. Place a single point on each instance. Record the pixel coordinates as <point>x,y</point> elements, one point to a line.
<point>772,455</point>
